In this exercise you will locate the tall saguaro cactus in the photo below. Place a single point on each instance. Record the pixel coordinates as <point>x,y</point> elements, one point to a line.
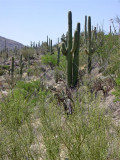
<point>89,46</point>
<point>76,59</point>
<point>86,30</point>
<point>70,49</point>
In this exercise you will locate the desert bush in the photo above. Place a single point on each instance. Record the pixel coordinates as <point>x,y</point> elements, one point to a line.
<point>86,134</point>
<point>117,90</point>
<point>44,48</point>
<point>2,72</point>
<point>113,66</point>
<point>49,59</point>
<point>15,125</point>
<point>5,67</point>
<point>28,53</point>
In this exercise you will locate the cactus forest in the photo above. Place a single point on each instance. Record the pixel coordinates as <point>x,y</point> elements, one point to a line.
<point>61,101</point>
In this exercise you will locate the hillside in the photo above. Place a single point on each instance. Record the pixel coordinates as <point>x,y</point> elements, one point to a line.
<point>10,44</point>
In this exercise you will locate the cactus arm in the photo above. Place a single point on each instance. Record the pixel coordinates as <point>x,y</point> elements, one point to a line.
<point>63,49</point>
<point>75,43</point>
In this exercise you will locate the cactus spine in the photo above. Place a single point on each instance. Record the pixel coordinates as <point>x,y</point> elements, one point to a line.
<point>89,45</point>
<point>69,49</point>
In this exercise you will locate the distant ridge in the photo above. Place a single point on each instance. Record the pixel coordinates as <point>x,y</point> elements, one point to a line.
<point>10,44</point>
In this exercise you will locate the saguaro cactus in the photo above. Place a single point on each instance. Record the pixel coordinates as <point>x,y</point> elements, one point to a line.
<point>89,45</point>
<point>69,49</point>
<point>76,59</point>
<point>58,58</point>
<point>51,51</point>
<point>47,40</point>
<point>94,34</point>
<point>12,69</point>
<point>21,66</point>
<point>86,30</point>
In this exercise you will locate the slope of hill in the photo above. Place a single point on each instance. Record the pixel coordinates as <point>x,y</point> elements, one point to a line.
<point>10,44</point>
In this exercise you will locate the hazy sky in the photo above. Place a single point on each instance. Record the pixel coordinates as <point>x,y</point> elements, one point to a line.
<point>33,20</point>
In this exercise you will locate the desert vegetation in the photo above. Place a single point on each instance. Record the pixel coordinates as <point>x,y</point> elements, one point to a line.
<point>62,101</point>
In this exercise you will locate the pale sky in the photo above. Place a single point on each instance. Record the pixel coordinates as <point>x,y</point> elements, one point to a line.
<point>33,20</point>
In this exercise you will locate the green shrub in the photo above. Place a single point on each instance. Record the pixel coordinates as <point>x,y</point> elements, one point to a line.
<point>5,67</point>
<point>28,53</point>
<point>117,90</point>
<point>49,59</point>
<point>1,72</point>
<point>15,126</point>
<point>114,65</point>
<point>86,134</point>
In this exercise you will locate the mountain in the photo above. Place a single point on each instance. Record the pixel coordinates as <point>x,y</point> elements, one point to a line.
<point>10,44</point>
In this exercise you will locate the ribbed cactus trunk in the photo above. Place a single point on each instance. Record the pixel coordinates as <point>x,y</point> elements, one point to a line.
<point>89,46</point>
<point>76,59</point>
<point>110,29</point>
<point>58,58</point>
<point>49,44</point>
<point>47,40</point>
<point>95,34</point>
<point>51,47</point>
<point>12,69</point>
<point>21,66</point>
<point>69,47</point>
<point>86,30</point>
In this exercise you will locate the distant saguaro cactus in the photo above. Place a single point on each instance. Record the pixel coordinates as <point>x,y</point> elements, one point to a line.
<point>51,50</point>
<point>47,40</point>
<point>21,66</point>
<point>89,46</point>
<point>12,69</point>
<point>94,34</point>
<point>70,49</point>
<point>86,30</point>
<point>58,58</point>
